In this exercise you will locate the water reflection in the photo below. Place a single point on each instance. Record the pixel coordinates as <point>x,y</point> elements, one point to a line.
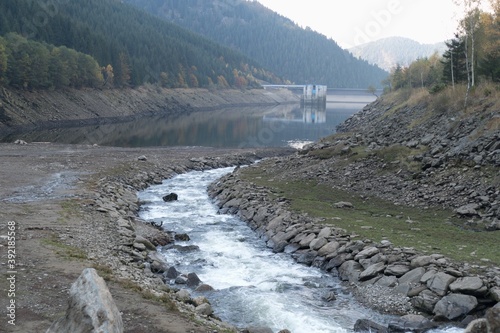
<point>311,114</point>
<point>244,127</point>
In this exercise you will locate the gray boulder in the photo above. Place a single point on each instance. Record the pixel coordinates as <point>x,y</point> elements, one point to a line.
<point>493,320</point>
<point>470,285</point>
<point>425,301</point>
<point>440,282</point>
<point>350,270</point>
<point>411,323</point>
<point>170,197</point>
<point>372,271</point>
<point>318,243</point>
<point>397,270</point>
<point>367,253</point>
<point>193,280</point>
<point>412,276</point>
<point>91,307</point>
<point>204,309</point>
<point>455,306</point>
<point>468,210</point>
<point>366,325</point>
<point>421,261</point>
<point>477,326</point>
<point>328,248</point>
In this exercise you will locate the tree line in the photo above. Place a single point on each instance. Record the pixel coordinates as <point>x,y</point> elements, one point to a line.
<point>472,56</point>
<point>32,65</point>
<point>126,46</point>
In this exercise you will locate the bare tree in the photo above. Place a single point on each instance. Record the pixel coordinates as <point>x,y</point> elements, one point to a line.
<point>467,29</point>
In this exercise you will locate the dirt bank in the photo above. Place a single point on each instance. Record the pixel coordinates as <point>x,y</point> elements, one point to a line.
<point>21,110</point>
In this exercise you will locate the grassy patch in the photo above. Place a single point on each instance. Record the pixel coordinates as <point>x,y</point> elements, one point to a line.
<point>69,208</point>
<point>64,250</point>
<point>104,271</point>
<point>164,299</point>
<point>427,230</point>
<point>400,156</point>
<point>396,156</point>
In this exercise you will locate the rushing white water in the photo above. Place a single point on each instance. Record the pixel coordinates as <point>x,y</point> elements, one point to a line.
<point>254,286</point>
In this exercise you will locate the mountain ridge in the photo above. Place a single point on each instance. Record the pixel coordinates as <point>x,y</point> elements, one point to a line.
<point>391,51</point>
<point>274,41</point>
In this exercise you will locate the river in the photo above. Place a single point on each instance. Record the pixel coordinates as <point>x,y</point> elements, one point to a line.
<point>253,285</point>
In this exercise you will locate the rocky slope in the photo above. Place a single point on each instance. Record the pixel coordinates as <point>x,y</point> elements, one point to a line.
<point>448,156</point>
<point>413,150</point>
<point>21,109</point>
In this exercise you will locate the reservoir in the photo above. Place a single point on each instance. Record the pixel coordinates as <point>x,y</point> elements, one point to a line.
<point>239,127</point>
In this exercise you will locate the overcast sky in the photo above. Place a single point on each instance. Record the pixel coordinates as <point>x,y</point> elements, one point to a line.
<point>353,22</point>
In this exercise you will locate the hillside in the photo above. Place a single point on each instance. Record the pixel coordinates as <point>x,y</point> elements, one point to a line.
<point>277,43</point>
<point>138,47</point>
<point>388,52</point>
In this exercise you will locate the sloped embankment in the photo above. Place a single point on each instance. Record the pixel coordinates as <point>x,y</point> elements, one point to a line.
<point>59,108</point>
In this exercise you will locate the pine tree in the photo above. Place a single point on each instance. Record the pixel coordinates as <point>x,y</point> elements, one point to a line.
<point>122,71</point>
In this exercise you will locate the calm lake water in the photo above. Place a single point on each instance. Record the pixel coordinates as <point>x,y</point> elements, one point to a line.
<point>244,127</point>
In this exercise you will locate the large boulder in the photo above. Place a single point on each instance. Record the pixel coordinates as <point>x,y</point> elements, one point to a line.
<point>170,197</point>
<point>425,301</point>
<point>477,326</point>
<point>367,253</point>
<point>90,308</point>
<point>397,270</point>
<point>411,323</point>
<point>350,270</point>
<point>493,320</point>
<point>412,276</point>
<point>440,282</point>
<point>372,271</point>
<point>366,325</point>
<point>470,285</point>
<point>455,306</point>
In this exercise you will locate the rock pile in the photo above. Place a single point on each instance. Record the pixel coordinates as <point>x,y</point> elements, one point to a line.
<point>396,280</point>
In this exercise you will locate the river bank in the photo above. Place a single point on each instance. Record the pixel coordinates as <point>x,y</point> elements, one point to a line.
<point>75,207</point>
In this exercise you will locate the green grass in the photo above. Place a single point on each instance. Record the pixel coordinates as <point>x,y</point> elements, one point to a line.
<point>65,251</point>
<point>427,230</point>
<point>69,208</point>
<point>164,299</point>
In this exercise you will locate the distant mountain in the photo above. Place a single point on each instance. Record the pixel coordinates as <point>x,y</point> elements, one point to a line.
<point>139,47</point>
<point>274,41</point>
<point>388,52</point>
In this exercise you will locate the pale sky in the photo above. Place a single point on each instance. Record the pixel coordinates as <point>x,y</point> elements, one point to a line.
<point>354,22</point>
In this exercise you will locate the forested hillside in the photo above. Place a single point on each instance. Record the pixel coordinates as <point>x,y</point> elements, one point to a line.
<point>302,55</point>
<point>389,52</point>
<point>130,46</point>
<point>28,64</point>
